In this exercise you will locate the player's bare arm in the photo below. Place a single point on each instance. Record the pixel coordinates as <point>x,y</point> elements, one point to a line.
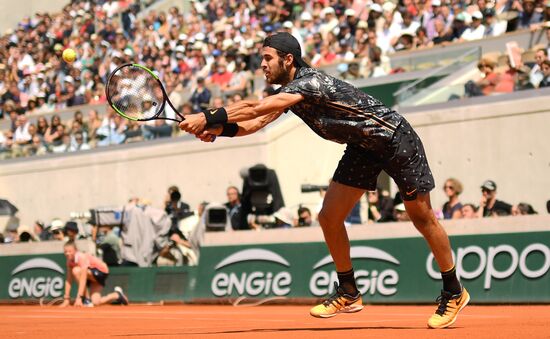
<point>68,282</point>
<point>244,127</point>
<point>81,286</point>
<point>241,111</point>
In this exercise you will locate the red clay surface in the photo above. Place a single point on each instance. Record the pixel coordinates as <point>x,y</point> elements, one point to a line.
<point>191,321</point>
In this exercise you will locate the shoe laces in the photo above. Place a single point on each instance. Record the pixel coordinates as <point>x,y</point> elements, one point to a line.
<point>333,299</point>
<point>443,301</point>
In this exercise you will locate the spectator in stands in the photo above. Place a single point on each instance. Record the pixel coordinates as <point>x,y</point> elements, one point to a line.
<point>21,136</point>
<point>78,143</point>
<point>528,16</point>
<point>200,99</point>
<point>545,82</point>
<point>469,211</point>
<point>56,230</point>
<point>25,234</point>
<point>233,206</point>
<point>536,75</point>
<point>65,145</point>
<point>523,208</point>
<point>71,230</point>
<point>94,123</point>
<point>12,236</point>
<point>400,213</point>
<point>476,30</point>
<point>37,147</point>
<point>380,207</point>
<point>352,72</point>
<point>41,126</point>
<point>112,130</point>
<point>459,25</point>
<point>238,82</point>
<point>221,76</point>
<point>489,205</point>
<point>487,83</point>
<point>452,209</point>
<point>493,26</point>
<point>40,231</point>
<point>54,133</point>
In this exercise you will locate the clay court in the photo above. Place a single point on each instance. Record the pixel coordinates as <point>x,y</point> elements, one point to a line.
<point>191,321</point>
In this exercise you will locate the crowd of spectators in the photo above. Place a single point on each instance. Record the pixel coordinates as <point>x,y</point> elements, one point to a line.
<point>216,45</point>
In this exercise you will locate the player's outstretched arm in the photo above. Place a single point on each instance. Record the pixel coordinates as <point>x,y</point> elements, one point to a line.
<point>68,283</point>
<point>240,111</point>
<point>241,129</point>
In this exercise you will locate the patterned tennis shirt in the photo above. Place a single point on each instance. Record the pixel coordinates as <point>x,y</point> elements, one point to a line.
<point>338,111</point>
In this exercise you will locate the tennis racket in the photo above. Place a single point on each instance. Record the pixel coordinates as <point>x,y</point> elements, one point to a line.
<point>136,93</point>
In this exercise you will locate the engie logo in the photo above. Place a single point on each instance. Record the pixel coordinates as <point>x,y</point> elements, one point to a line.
<point>253,283</point>
<point>486,262</point>
<point>36,286</point>
<point>372,282</point>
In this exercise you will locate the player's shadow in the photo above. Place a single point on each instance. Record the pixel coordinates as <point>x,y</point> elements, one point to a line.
<point>287,329</point>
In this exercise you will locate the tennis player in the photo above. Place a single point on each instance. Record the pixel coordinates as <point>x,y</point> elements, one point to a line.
<point>89,272</point>
<point>377,139</point>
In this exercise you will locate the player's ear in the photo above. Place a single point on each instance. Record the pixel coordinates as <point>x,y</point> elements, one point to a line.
<point>289,60</point>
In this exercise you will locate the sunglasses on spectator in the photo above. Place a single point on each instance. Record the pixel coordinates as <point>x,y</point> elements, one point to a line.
<point>448,186</point>
<point>56,231</point>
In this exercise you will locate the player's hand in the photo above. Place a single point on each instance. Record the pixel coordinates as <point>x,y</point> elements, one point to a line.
<point>65,303</point>
<point>193,123</point>
<point>210,134</point>
<point>78,302</point>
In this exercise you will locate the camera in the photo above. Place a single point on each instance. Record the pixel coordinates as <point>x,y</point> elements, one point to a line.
<point>308,188</point>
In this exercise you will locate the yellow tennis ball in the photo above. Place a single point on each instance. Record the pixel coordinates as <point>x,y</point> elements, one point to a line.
<point>69,55</point>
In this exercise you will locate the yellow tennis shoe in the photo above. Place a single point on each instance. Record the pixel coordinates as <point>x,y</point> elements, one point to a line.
<point>449,306</point>
<point>339,302</point>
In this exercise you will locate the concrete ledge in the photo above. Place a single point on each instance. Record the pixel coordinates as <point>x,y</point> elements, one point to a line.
<point>519,224</point>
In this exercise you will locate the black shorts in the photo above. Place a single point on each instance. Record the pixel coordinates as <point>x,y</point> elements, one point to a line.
<point>99,276</point>
<point>403,159</point>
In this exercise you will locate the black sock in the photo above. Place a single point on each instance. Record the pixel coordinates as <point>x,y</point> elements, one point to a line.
<point>450,281</point>
<point>347,282</point>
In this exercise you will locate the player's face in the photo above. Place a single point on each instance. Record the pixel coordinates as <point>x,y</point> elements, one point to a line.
<point>69,252</point>
<point>274,67</point>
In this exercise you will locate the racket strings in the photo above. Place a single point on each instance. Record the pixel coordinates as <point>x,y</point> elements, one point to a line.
<point>135,93</point>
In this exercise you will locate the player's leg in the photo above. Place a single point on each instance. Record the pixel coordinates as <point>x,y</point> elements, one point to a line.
<point>97,298</point>
<point>337,204</point>
<point>421,214</point>
<point>453,297</point>
<point>97,281</point>
<point>409,168</point>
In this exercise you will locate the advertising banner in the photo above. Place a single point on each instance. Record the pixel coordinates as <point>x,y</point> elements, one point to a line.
<point>495,268</point>
<point>32,277</point>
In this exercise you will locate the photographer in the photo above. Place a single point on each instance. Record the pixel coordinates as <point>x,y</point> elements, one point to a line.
<point>305,218</point>
<point>174,207</point>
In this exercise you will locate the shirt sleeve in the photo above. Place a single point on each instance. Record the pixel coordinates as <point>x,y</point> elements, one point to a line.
<point>310,87</point>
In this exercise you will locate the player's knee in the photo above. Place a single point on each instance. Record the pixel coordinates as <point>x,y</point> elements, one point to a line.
<point>76,271</point>
<point>96,299</point>
<point>424,221</point>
